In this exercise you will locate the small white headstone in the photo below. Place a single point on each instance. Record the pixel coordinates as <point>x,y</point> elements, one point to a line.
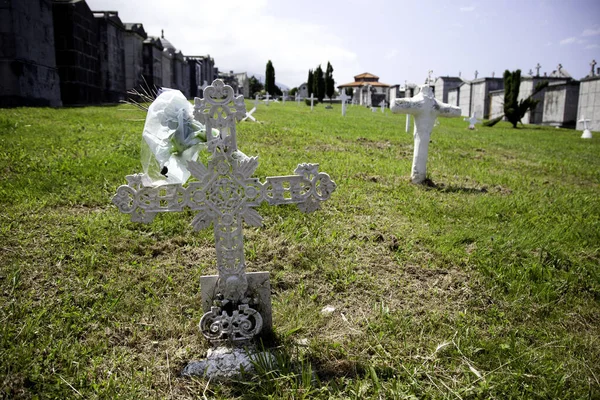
<point>586,132</point>
<point>312,99</point>
<point>267,100</point>
<point>382,105</point>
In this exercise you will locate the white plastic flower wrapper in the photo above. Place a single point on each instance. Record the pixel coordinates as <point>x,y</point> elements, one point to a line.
<point>171,138</point>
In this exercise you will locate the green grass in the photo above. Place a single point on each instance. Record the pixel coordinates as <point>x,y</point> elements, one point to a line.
<point>483,285</point>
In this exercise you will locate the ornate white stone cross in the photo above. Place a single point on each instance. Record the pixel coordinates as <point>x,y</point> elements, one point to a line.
<point>344,98</point>
<point>586,131</point>
<point>425,109</point>
<point>225,195</point>
<point>472,121</point>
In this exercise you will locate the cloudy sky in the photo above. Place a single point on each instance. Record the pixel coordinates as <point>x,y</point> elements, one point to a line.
<point>396,40</point>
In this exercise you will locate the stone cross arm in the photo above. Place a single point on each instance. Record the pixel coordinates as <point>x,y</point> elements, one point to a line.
<point>416,105</point>
<point>307,189</point>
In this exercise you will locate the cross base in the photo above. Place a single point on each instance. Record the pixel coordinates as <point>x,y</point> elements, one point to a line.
<point>586,134</point>
<point>259,300</point>
<point>225,363</point>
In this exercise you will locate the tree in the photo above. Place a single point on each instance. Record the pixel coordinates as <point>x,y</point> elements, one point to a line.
<point>255,86</point>
<point>515,109</point>
<point>310,82</point>
<point>319,83</point>
<point>270,78</point>
<point>293,91</point>
<point>329,82</point>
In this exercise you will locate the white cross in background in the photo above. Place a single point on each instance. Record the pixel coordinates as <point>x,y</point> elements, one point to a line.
<point>425,109</point>
<point>344,97</point>
<point>472,121</point>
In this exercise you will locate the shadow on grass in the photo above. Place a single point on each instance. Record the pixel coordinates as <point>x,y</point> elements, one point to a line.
<point>283,366</point>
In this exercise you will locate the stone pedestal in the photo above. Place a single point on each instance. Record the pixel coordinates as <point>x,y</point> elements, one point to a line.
<point>259,289</point>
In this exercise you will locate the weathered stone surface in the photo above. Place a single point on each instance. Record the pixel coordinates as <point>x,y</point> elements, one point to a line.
<point>28,73</point>
<point>560,104</point>
<point>225,363</point>
<point>111,56</point>
<point>589,103</point>
<point>76,37</point>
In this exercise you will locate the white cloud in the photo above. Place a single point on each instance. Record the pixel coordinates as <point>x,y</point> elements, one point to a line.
<point>467,9</point>
<point>568,40</point>
<point>242,36</point>
<point>390,54</point>
<point>592,46</point>
<point>591,32</point>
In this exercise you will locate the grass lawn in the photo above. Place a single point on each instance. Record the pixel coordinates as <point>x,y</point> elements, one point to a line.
<point>485,284</point>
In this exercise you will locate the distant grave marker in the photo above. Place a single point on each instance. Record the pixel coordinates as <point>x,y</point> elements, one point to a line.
<point>586,131</point>
<point>249,113</point>
<point>472,121</point>
<point>425,108</point>
<point>312,99</point>
<point>236,304</point>
<point>382,105</point>
<point>266,101</point>
<point>344,97</point>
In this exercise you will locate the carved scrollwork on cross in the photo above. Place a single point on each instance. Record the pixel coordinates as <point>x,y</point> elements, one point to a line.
<point>243,324</point>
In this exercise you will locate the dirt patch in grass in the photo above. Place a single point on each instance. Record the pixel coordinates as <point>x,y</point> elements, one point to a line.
<point>374,144</point>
